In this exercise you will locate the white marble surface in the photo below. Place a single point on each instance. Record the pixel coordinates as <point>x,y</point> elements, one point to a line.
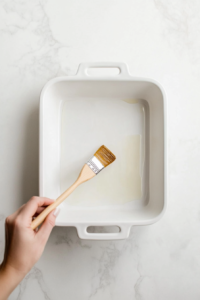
<point>41,39</point>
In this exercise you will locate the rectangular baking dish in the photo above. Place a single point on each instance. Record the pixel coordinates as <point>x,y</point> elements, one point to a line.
<point>127,114</point>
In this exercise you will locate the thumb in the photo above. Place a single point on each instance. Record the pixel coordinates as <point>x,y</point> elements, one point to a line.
<point>48,224</point>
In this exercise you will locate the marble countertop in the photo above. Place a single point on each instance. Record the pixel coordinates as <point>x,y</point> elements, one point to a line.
<point>42,39</point>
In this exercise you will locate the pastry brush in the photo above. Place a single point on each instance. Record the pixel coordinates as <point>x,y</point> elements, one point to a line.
<point>101,159</point>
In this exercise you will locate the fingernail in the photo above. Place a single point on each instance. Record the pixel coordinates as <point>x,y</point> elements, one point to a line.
<point>56,212</point>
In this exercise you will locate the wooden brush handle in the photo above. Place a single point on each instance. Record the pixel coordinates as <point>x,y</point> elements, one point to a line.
<point>86,174</point>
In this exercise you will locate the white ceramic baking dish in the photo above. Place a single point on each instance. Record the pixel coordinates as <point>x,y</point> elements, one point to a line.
<point>128,115</point>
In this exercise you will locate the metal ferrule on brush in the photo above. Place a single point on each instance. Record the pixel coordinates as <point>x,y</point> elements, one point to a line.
<point>95,165</point>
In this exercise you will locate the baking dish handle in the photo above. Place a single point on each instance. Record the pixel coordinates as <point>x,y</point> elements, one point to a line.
<point>123,68</point>
<point>85,235</point>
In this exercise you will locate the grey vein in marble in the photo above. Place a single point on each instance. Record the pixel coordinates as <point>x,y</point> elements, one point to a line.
<point>140,276</point>
<point>65,239</point>
<point>42,55</point>
<point>181,26</point>
<point>35,273</point>
<point>104,275</point>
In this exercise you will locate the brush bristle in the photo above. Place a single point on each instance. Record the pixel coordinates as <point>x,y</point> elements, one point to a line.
<point>105,156</point>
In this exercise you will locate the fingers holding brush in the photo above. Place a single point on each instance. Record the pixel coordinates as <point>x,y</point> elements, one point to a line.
<point>34,206</point>
<point>39,210</point>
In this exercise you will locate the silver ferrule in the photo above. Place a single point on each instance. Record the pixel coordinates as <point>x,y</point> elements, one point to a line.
<point>95,165</point>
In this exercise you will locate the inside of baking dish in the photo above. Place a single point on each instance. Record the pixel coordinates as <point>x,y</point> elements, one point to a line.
<point>126,116</point>
<point>120,124</point>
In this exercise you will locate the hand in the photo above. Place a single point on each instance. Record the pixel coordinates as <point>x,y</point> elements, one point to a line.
<point>24,246</point>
